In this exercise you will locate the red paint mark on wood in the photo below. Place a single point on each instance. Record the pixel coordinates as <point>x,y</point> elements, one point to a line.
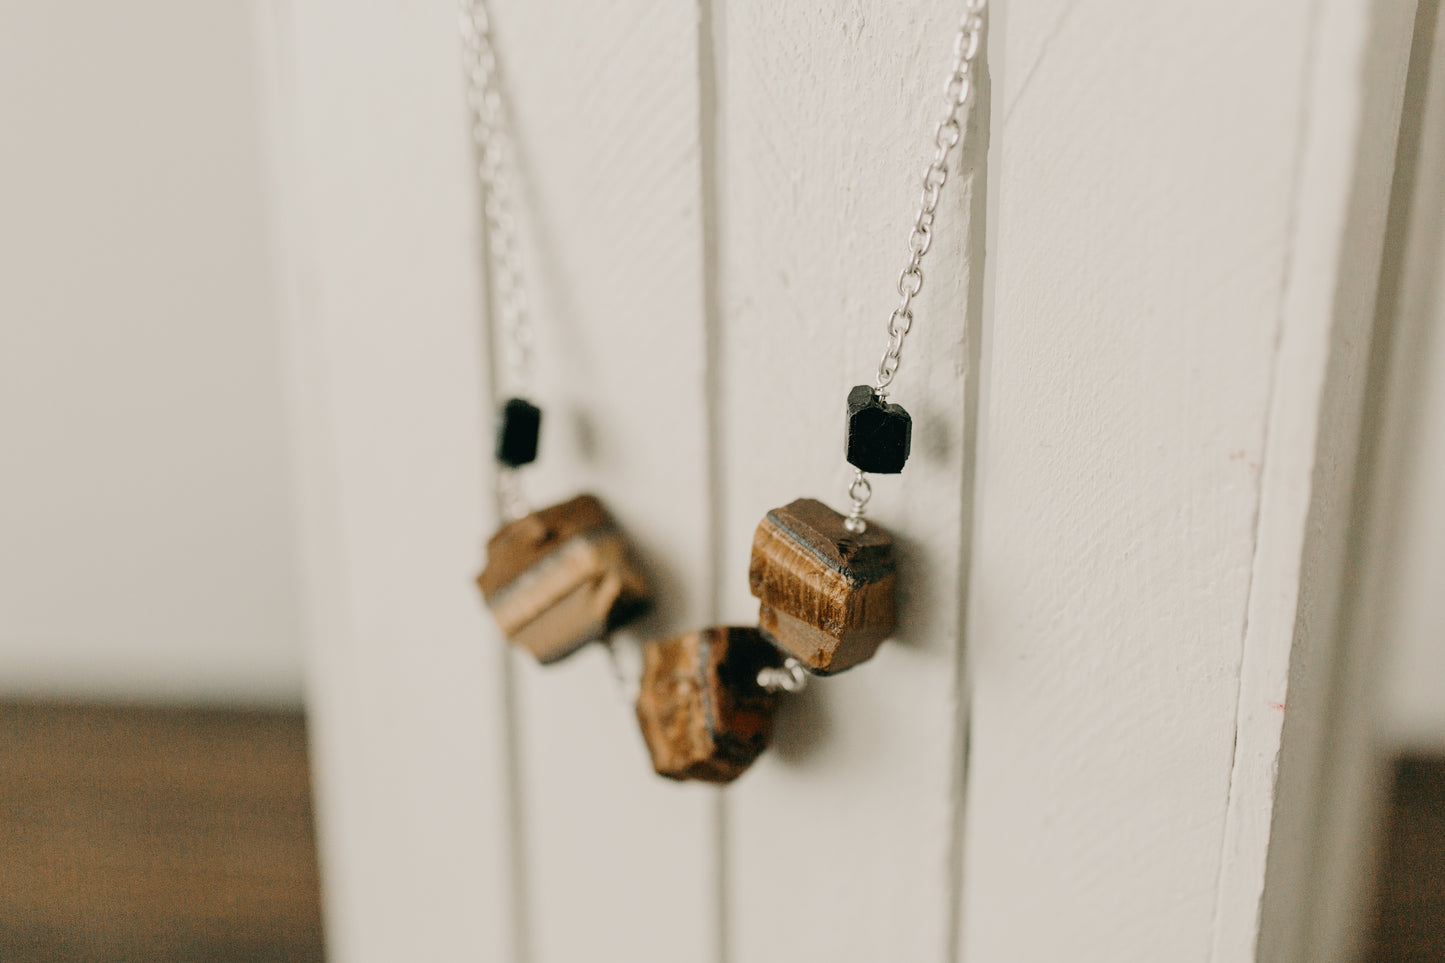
<point>1277,705</point>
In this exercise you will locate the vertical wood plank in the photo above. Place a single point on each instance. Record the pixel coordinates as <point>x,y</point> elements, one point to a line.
<point>377,217</point>
<point>1416,660</point>
<point>1293,628</point>
<point>1317,901</point>
<point>606,101</point>
<point>410,687</point>
<point>838,843</point>
<point>1166,281</point>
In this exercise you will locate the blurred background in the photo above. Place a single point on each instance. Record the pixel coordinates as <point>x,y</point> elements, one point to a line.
<point>154,801</point>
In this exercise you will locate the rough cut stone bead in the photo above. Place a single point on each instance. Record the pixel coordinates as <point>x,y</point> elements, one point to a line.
<point>562,577</point>
<point>518,426</point>
<point>826,593</point>
<point>879,435</point>
<point>700,707</point>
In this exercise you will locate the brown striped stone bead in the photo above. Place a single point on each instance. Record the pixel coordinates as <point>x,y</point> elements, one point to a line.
<point>826,593</point>
<point>702,712</point>
<point>562,577</point>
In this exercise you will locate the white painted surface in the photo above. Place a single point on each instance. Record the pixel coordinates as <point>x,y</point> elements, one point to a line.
<point>1381,585</point>
<point>1357,67</point>
<point>1415,678</point>
<point>838,846</point>
<point>409,698</point>
<point>1414,681</point>
<point>617,860</point>
<point>146,545</point>
<point>1166,285</point>
<point>1129,360</point>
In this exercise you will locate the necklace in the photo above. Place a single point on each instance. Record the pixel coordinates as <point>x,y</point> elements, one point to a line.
<point>825,582</point>
<point>565,575</point>
<point>878,435</point>
<point>562,576</point>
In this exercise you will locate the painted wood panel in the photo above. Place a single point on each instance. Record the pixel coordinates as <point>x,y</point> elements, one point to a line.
<point>377,214</point>
<point>1285,763</point>
<point>1382,577</point>
<point>838,845</point>
<point>1164,286</point>
<point>537,779</point>
<point>718,200</point>
<point>606,105</point>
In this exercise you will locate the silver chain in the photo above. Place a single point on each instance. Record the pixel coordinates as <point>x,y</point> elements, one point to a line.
<point>957,92</point>
<point>496,169</point>
<point>946,135</point>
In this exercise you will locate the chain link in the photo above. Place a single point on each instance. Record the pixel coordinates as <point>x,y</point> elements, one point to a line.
<point>946,136</point>
<point>496,170</point>
<point>859,490</point>
<point>789,677</point>
<point>511,498</point>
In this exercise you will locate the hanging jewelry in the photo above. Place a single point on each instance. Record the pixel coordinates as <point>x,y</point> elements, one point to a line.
<point>702,712</point>
<point>561,577</point>
<point>825,581</point>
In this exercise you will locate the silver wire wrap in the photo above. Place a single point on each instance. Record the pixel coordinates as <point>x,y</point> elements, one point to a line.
<point>859,490</point>
<point>790,677</point>
<point>947,134</point>
<point>496,170</point>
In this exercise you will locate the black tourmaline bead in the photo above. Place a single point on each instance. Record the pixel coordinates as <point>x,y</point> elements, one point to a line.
<point>518,425</point>
<point>878,434</point>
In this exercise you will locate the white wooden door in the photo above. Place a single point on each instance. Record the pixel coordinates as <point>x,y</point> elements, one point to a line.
<point>1136,382</point>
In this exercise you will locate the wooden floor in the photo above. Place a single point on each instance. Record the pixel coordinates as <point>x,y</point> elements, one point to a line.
<point>185,836</point>
<point>1410,903</point>
<point>155,835</point>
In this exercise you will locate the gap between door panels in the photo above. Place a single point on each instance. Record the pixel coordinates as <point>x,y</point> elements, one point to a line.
<point>980,193</point>
<point>980,151</point>
<point>709,113</point>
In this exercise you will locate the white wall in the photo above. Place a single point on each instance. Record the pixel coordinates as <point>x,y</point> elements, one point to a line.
<point>1162,349</point>
<point>145,531</point>
<point>1415,674</point>
<point>1409,563</point>
<point>1415,681</point>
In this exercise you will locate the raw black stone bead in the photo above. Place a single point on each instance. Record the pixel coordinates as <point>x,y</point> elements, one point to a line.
<point>878,434</point>
<point>518,425</point>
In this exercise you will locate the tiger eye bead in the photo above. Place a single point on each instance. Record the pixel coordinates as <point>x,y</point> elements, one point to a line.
<point>562,577</point>
<point>826,593</point>
<point>702,712</point>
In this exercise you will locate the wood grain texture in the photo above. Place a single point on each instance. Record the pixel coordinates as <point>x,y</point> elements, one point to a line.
<point>826,593</point>
<point>132,833</point>
<point>826,116</point>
